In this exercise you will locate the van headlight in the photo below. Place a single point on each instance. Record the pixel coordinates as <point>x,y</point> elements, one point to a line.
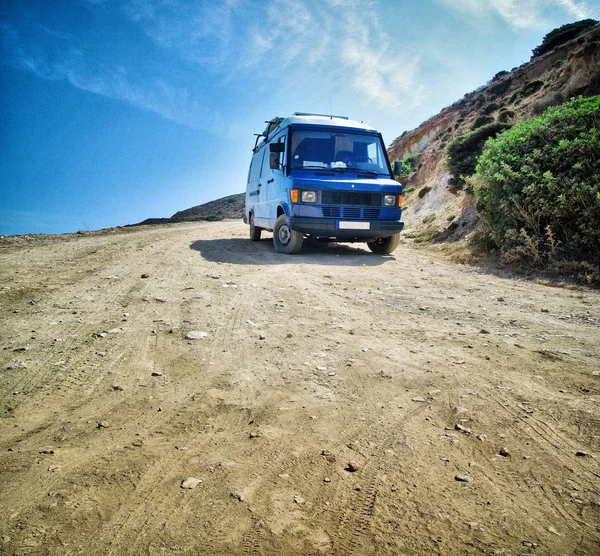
<point>389,200</point>
<point>309,197</point>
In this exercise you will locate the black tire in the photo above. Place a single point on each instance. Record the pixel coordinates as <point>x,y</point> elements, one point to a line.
<point>254,230</point>
<point>285,239</point>
<point>385,245</point>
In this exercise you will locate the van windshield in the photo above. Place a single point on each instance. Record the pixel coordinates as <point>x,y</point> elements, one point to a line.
<point>337,151</point>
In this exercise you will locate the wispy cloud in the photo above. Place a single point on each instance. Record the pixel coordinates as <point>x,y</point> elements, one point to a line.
<point>523,14</point>
<point>74,64</point>
<point>327,46</point>
<point>303,40</point>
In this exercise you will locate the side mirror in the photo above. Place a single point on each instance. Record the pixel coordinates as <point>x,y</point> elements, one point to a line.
<point>275,149</point>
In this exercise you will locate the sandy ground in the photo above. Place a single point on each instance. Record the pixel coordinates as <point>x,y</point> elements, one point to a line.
<point>417,370</point>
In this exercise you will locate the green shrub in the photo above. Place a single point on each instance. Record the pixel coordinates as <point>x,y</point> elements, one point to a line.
<point>562,34</point>
<point>424,191</point>
<point>490,108</point>
<point>481,121</point>
<point>505,115</point>
<point>464,150</point>
<point>530,88</point>
<point>538,185</point>
<point>408,190</point>
<point>404,167</point>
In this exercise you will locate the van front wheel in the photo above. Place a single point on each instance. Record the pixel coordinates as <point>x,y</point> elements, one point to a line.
<point>254,230</point>
<point>384,245</point>
<point>285,239</point>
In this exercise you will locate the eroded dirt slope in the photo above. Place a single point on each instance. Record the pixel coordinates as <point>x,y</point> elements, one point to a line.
<point>416,370</point>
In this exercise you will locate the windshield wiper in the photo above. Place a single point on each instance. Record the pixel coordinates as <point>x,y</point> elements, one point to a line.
<point>357,170</point>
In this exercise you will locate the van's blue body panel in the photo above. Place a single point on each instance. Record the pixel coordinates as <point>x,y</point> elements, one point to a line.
<point>348,204</point>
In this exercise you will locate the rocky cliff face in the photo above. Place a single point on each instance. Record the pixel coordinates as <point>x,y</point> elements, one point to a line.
<point>435,207</point>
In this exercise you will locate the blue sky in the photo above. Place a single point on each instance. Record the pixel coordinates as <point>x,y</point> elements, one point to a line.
<point>114,111</point>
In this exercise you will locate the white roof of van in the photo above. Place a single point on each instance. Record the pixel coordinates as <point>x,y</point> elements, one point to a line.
<point>325,121</point>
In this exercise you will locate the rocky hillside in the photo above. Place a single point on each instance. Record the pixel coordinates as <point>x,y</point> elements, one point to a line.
<point>437,206</point>
<point>226,207</point>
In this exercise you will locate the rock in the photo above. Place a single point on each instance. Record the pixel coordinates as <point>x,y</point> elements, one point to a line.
<point>544,310</point>
<point>103,424</point>
<point>196,334</point>
<point>595,373</point>
<point>460,409</point>
<point>299,500</point>
<point>404,444</point>
<point>352,466</point>
<point>504,452</point>
<point>254,434</point>
<point>48,451</point>
<point>462,429</point>
<point>54,468</point>
<point>117,387</point>
<point>190,482</point>
<point>463,478</point>
<point>330,373</point>
<point>161,299</point>
<point>145,275</point>
<point>326,480</point>
<point>238,495</point>
<point>418,399</point>
<point>100,353</point>
<point>156,373</point>
<point>581,454</point>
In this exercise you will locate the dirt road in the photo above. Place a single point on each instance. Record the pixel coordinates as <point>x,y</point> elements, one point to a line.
<point>418,371</point>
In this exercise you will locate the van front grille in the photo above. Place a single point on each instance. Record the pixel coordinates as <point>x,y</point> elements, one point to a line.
<point>354,213</point>
<point>351,198</point>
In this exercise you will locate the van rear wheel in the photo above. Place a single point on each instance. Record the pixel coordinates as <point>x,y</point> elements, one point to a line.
<point>384,245</point>
<point>285,239</point>
<point>254,230</point>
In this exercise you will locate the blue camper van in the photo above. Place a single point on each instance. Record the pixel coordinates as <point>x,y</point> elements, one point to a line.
<point>325,177</point>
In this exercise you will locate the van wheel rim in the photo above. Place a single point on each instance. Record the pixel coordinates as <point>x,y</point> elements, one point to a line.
<point>284,235</point>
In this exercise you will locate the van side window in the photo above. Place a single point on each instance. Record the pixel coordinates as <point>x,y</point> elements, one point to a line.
<point>282,155</point>
<point>255,168</point>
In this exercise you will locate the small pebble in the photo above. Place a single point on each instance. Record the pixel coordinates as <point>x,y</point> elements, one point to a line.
<point>196,334</point>
<point>504,452</point>
<point>352,466</point>
<point>156,373</point>
<point>238,495</point>
<point>463,478</point>
<point>581,454</point>
<point>190,482</point>
<point>103,424</point>
<point>299,500</point>
<point>418,399</point>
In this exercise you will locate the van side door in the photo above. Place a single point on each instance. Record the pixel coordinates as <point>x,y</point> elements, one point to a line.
<point>254,190</point>
<point>272,177</point>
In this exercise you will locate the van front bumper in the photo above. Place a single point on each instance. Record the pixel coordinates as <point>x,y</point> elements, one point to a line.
<point>330,228</point>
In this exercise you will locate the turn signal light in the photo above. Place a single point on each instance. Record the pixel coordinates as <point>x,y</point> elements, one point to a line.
<point>400,201</point>
<point>294,195</point>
